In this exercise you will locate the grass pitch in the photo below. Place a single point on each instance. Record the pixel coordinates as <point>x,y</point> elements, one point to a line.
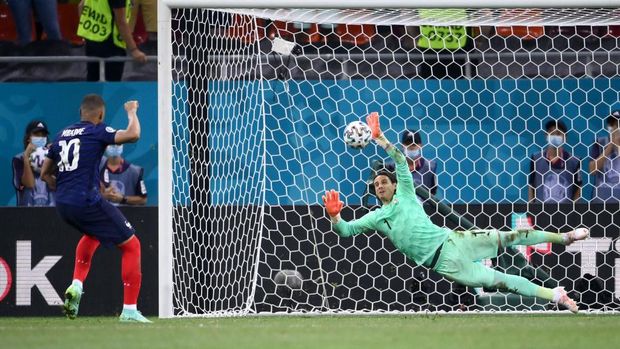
<point>382,332</point>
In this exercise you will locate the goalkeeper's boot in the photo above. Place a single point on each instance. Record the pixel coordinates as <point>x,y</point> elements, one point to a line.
<point>132,315</point>
<point>562,298</point>
<point>575,235</point>
<point>73,294</point>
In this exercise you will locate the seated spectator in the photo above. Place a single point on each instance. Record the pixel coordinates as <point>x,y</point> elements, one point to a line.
<point>122,183</point>
<point>47,13</point>
<point>31,190</point>
<point>555,175</point>
<point>422,170</point>
<point>605,163</point>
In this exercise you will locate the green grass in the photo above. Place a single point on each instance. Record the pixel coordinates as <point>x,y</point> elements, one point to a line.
<point>382,332</point>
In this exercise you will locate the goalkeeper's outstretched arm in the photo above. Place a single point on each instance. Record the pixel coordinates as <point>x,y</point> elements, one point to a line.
<point>333,205</point>
<point>405,180</point>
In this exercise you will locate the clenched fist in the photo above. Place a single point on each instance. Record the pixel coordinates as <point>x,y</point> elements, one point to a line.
<point>131,106</point>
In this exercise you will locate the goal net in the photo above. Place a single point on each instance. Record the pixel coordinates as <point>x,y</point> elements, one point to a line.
<point>252,110</point>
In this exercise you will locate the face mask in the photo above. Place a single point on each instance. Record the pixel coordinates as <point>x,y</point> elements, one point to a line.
<point>114,151</point>
<point>413,154</point>
<point>38,142</point>
<point>555,140</point>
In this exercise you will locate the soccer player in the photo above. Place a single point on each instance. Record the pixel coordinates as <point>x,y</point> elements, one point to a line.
<point>77,152</point>
<point>453,254</point>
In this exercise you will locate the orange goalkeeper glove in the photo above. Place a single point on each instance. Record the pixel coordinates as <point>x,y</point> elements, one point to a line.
<point>332,202</point>
<point>373,122</point>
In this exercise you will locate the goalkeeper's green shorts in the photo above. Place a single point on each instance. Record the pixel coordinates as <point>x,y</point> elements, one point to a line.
<point>460,255</point>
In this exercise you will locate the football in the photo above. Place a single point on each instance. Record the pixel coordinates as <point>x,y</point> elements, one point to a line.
<point>357,134</point>
<point>289,278</point>
<point>36,159</point>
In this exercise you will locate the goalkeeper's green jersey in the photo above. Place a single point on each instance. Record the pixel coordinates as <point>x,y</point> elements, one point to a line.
<point>403,220</point>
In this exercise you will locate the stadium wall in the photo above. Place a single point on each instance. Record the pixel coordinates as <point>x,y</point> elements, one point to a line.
<point>481,132</point>
<point>369,271</point>
<point>451,126</point>
<point>37,251</point>
<point>58,105</point>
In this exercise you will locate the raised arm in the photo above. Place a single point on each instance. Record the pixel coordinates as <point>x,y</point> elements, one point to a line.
<point>132,133</point>
<point>333,205</point>
<point>405,180</point>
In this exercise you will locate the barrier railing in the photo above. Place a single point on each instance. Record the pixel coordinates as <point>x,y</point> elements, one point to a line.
<point>73,59</point>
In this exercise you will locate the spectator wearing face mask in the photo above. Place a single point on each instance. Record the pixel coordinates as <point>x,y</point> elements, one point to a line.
<point>605,162</point>
<point>555,174</point>
<point>122,183</point>
<point>422,169</point>
<point>30,189</point>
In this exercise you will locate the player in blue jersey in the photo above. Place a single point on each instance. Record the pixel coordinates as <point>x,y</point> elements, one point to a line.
<point>72,167</point>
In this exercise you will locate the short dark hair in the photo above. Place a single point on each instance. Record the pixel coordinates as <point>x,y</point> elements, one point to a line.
<point>614,118</point>
<point>410,137</point>
<point>555,124</point>
<point>92,103</point>
<point>386,173</point>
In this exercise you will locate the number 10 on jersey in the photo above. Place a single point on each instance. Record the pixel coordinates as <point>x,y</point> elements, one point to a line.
<point>65,163</point>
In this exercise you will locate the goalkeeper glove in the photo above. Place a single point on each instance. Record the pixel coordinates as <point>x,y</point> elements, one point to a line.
<point>332,202</point>
<point>373,122</point>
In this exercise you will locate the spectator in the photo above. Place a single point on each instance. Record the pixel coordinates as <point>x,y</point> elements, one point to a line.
<point>422,170</point>
<point>554,173</point>
<point>122,182</point>
<point>107,33</point>
<point>47,13</point>
<point>605,163</point>
<point>31,190</point>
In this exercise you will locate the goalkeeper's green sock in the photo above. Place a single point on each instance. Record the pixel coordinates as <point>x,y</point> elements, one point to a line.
<point>545,293</point>
<point>529,237</point>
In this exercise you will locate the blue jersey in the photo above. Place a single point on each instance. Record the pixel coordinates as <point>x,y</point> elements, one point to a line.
<point>77,151</point>
<point>127,179</point>
<point>556,181</point>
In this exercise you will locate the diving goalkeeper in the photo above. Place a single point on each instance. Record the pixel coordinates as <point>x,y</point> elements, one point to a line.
<point>453,254</point>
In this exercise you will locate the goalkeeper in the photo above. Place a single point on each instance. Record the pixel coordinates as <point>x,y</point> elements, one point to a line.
<point>453,254</point>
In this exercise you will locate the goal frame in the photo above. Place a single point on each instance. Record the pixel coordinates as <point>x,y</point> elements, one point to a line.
<point>164,118</point>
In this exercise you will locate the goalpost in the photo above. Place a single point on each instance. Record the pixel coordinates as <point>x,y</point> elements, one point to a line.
<point>253,98</point>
